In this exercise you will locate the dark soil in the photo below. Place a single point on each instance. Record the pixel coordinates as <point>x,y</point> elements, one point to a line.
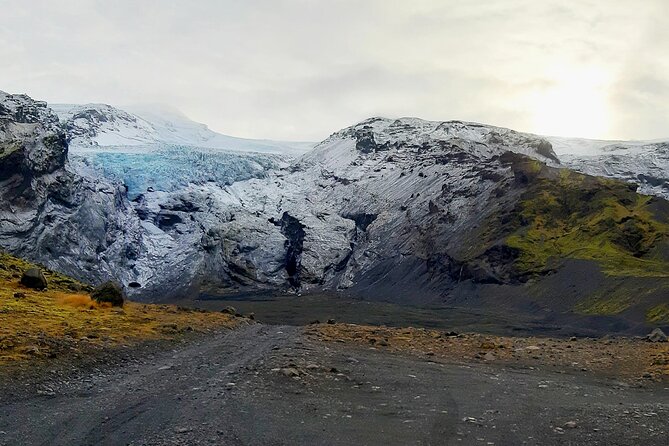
<point>273,385</point>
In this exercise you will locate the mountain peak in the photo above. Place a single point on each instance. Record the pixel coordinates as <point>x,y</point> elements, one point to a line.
<point>101,125</point>
<point>378,134</point>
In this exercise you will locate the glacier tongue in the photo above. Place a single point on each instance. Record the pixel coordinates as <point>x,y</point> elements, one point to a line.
<point>100,125</point>
<point>170,168</point>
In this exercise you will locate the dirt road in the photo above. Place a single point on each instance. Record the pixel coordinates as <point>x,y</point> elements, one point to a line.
<point>271,385</point>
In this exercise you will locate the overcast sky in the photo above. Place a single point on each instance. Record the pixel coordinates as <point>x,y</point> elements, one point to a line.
<point>302,69</point>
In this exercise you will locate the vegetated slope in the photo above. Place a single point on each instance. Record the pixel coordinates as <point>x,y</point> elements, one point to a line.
<point>586,247</point>
<point>63,320</point>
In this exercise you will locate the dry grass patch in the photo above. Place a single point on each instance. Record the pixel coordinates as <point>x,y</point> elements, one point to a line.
<point>60,321</point>
<point>621,358</point>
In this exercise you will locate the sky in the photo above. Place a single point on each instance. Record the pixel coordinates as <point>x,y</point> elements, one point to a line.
<point>303,69</point>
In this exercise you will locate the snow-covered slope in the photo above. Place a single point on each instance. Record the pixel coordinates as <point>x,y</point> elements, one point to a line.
<point>100,125</point>
<point>645,163</point>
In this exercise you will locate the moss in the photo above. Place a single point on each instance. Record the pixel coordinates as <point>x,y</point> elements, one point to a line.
<point>658,314</point>
<point>8,147</point>
<point>605,306</point>
<point>570,215</point>
<point>11,266</point>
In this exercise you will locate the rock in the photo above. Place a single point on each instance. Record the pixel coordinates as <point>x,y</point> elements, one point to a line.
<point>290,372</point>
<point>110,292</point>
<point>169,328</point>
<point>656,335</point>
<point>571,424</point>
<point>489,357</point>
<point>229,310</point>
<point>251,316</point>
<point>33,278</point>
<point>331,321</point>
<point>19,295</point>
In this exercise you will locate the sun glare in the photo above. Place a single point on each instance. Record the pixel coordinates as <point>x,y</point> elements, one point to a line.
<point>575,104</point>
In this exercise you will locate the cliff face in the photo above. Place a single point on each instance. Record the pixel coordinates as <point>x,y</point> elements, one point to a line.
<point>49,213</point>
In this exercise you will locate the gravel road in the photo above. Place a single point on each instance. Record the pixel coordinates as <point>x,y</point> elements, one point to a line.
<point>271,385</point>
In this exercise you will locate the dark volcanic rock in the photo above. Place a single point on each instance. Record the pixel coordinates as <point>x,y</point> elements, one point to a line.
<point>293,230</point>
<point>33,278</point>
<point>110,292</point>
<point>657,335</point>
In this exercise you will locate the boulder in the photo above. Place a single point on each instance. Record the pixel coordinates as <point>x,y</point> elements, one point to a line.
<point>229,310</point>
<point>110,292</point>
<point>656,335</point>
<point>33,278</point>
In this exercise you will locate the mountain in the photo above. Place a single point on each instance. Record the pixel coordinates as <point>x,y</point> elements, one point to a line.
<point>405,210</point>
<point>645,163</point>
<point>101,125</point>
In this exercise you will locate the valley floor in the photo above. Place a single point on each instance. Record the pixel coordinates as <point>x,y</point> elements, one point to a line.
<point>285,385</point>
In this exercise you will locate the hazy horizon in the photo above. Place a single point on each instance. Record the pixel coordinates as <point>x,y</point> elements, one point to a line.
<point>300,69</point>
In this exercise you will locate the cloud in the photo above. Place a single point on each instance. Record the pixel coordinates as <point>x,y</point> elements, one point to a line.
<point>301,69</point>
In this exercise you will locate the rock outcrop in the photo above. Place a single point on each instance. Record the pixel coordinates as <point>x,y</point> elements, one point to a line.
<point>33,278</point>
<point>49,213</point>
<point>109,292</point>
<point>657,335</point>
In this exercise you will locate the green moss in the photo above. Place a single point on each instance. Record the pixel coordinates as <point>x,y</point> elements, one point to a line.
<point>8,147</point>
<point>658,314</point>
<point>570,215</point>
<point>605,306</point>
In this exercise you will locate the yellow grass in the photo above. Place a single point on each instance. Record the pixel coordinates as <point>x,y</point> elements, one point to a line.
<point>58,321</point>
